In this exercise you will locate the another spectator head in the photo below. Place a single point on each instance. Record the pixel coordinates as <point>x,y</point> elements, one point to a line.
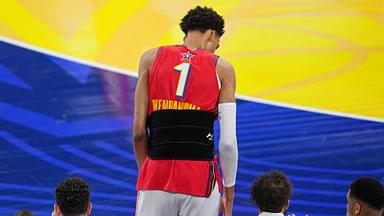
<point>24,212</point>
<point>271,192</point>
<point>365,197</point>
<point>72,198</point>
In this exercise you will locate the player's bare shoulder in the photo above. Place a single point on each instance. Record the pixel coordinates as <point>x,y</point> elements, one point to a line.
<point>225,71</point>
<point>147,59</point>
<point>227,77</point>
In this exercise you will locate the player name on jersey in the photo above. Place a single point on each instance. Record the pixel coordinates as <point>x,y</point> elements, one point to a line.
<point>160,104</point>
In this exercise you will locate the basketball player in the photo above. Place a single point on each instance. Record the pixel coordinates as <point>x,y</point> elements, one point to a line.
<point>180,92</point>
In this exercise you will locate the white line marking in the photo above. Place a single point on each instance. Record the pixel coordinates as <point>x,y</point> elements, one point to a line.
<point>67,57</point>
<point>309,109</point>
<point>134,74</point>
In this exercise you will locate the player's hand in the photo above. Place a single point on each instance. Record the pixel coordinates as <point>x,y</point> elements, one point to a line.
<point>226,203</point>
<point>226,206</point>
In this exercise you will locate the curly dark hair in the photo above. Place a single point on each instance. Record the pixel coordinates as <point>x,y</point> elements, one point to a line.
<point>202,19</point>
<point>72,196</point>
<point>369,191</point>
<point>271,191</point>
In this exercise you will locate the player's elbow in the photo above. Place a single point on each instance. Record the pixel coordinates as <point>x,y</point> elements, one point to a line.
<point>139,137</point>
<point>228,146</point>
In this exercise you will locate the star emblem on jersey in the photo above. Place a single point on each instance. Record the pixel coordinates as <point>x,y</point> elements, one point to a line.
<point>210,136</point>
<point>186,56</point>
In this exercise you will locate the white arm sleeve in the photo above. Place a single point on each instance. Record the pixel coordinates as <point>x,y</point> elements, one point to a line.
<point>228,143</point>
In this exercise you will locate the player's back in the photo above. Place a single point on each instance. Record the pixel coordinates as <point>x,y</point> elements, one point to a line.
<point>184,80</point>
<point>181,79</point>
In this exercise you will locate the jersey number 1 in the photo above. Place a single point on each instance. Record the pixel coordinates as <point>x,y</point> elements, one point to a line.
<point>184,69</point>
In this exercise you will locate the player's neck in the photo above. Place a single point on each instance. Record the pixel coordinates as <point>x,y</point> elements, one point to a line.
<point>194,41</point>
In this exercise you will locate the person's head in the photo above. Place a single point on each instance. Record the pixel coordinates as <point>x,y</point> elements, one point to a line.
<point>206,25</point>
<point>24,212</point>
<point>72,198</point>
<point>365,197</point>
<point>271,192</point>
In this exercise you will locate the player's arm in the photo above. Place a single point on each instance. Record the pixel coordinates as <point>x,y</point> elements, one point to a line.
<point>139,133</point>
<point>228,140</point>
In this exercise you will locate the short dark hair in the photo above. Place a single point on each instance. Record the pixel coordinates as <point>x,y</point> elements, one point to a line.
<point>369,191</point>
<point>202,19</point>
<point>72,196</point>
<point>271,191</point>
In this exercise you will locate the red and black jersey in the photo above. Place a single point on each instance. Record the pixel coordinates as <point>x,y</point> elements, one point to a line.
<point>182,79</point>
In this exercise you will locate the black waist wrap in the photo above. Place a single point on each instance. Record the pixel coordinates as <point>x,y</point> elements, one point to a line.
<point>181,135</point>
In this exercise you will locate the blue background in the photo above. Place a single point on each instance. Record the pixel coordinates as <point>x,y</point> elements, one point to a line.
<point>59,118</point>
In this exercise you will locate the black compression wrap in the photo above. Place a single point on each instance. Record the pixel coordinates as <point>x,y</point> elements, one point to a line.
<point>181,135</point>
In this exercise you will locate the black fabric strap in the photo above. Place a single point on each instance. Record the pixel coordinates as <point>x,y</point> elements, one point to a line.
<point>181,135</point>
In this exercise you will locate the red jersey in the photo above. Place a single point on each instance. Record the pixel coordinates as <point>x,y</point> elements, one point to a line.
<point>187,80</point>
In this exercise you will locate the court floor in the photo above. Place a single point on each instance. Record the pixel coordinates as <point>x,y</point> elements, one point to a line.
<point>324,54</point>
<point>61,118</point>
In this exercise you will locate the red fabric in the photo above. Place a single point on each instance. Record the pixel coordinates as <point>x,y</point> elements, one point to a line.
<point>202,88</point>
<point>201,92</point>
<point>180,176</point>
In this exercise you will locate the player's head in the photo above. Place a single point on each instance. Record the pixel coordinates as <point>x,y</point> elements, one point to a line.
<point>206,21</point>
<point>271,192</point>
<point>73,198</point>
<point>365,197</point>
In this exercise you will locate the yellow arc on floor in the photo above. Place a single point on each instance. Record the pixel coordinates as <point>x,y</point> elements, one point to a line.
<point>326,54</point>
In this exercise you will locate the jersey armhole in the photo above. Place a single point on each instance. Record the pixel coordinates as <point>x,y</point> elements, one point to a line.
<point>158,51</point>
<point>157,56</point>
<point>216,58</point>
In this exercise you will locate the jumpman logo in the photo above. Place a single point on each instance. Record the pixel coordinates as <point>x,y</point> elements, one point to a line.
<point>210,136</point>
